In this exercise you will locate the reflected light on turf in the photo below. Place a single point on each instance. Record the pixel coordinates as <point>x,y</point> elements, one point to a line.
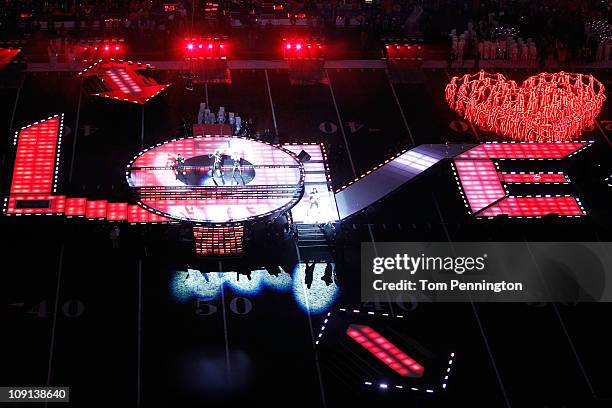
<point>185,285</point>
<point>281,282</point>
<point>242,284</point>
<point>316,299</point>
<point>320,297</point>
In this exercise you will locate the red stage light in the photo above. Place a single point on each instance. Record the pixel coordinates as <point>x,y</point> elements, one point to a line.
<point>298,46</point>
<point>482,182</point>
<point>288,46</point>
<point>200,46</point>
<point>106,48</point>
<point>35,161</point>
<point>544,108</point>
<point>116,48</point>
<point>385,351</point>
<point>210,46</point>
<point>190,46</point>
<point>221,45</point>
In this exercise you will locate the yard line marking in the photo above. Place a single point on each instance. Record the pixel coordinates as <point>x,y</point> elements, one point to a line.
<point>142,123</point>
<point>271,103</point>
<point>312,334</point>
<point>603,132</point>
<point>76,134</point>
<point>564,328</point>
<point>331,89</point>
<point>227,357</point>
<point>376,254</point>
<point>55,307</point>
<point>476,315</point>
<point>14,110</point>
<point>401,111</point>
<point>139,331</point>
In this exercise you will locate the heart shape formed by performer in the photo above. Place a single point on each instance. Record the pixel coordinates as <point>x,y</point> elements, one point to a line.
<point>548,107</point>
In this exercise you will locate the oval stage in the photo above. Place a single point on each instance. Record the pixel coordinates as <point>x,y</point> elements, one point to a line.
<point>255,180</point>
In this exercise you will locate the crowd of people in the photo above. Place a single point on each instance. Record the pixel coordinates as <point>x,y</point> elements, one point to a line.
<point>544,32</point>
<point>525,30</point>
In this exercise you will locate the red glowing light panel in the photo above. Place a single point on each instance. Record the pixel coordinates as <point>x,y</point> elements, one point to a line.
<point>385,351</point>
<point>534,178</point>
<point>480,182</point>
<point>35,160</point>
<point>523,150</point>
<point>218,240</point>
<point>27,204</point>
<point>535,207</point>
<point>7,55</point>
<point>75,207</point>
<point>548,107</point>
<point>485,193</point>
<point>117,212</point>
<point>276,182</point>
<point>96,209</point>
<point>125,80</point>
<point>137,214</point>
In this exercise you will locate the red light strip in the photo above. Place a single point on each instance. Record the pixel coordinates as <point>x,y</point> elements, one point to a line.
<point>125,80</point>
<point>385,351</point>
<point>218,240</point>
<point>480,182</point>
<point>537,206</point>
<point>485,194</point>
<point>96,209</point>
<point>528,178</point>
<point>35,161</point>
<point>544,108</point>
<point>55,204</point>
<point>523,150</point>
<point>35,178</point>
<point>117,211</point>
<point>75,207</point>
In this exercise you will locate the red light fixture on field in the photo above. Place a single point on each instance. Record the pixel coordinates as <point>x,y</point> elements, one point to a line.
<point>209,47</point>
<point>299,48</point>
<point>385,351</point>
<point>402,49</point>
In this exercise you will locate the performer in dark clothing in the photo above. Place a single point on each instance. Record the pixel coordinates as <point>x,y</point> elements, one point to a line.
<point>217,162</point>
<point>179,166</point>
<point>237,166</point>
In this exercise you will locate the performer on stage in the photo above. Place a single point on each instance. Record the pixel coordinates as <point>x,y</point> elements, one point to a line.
<point>217,163</point>
<point>237,166</point>
<point>179,166</point>
<point>313,199</point>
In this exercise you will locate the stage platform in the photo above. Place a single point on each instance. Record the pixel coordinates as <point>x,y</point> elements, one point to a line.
<point>392,174</point>
<point>271,180</point>
<point>317,182</point>
<point>124,81</point>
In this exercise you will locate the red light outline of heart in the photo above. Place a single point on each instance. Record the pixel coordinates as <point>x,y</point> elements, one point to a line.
<point>548,107</point>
